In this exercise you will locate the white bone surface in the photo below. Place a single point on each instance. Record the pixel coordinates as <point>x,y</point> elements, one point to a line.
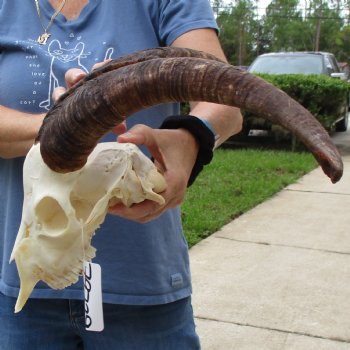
<point>61,212</point>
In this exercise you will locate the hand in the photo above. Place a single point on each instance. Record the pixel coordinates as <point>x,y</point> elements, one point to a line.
<point>174,153</point>
<point>73,76</point>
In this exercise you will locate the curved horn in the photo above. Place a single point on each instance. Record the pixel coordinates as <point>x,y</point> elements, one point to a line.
<point>140,56</point>
<point>73,127</point>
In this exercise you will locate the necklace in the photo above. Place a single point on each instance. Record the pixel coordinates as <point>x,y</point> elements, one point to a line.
<point>42,39</point>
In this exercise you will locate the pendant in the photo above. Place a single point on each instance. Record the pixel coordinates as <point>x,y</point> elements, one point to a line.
<point>42,39</point>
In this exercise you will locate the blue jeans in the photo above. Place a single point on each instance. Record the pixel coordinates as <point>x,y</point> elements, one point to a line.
<point>53,324</point>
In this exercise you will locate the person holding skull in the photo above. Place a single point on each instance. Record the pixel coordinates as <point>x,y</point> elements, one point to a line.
<point>45,47</point>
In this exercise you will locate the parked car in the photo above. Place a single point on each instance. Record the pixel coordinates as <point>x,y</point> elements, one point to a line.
<point>303,63</point>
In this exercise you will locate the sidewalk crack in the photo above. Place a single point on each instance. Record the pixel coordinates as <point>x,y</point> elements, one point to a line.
<point>305,334</point>
<point>320,192</point>
<point>284,245</point>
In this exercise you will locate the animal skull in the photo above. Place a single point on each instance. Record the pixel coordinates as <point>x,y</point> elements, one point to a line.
<point>62,211</point>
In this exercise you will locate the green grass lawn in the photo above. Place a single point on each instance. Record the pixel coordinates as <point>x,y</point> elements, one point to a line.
<point>236,181</point>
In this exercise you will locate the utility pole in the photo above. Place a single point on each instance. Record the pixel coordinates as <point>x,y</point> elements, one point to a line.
<point>318,28</point>
<point>241,43</point>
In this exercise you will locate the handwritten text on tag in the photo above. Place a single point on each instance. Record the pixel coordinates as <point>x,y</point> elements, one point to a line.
<point>93,297</point>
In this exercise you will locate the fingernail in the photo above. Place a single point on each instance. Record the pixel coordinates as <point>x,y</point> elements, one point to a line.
<point>78,76</point>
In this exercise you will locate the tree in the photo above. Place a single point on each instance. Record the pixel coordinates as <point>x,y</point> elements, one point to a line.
<point>322,25</point>
<point>343,51</point>
<point>216,6</point>
<point>238,32</point>
<point>283,28</point>
<point>325,24</point>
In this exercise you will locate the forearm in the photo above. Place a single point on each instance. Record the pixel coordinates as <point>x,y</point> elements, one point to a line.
<point>226,121</point>
<point>17,131</point>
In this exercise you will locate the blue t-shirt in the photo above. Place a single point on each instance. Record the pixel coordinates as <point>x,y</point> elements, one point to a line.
<point>141,263</point>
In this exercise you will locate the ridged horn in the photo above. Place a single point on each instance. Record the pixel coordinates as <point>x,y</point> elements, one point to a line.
<point>89,110</point>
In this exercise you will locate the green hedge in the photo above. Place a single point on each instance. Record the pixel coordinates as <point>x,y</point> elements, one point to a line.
<point>325,97</point>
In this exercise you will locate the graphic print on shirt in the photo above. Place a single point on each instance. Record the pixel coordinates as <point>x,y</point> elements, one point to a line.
<point>59,53</point>
<point>62,56</point>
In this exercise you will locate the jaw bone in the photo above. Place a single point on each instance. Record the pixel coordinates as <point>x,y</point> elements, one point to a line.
<point>61,212</point>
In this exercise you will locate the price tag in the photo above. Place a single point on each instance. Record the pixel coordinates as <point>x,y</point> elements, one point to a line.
<point>93,297</point>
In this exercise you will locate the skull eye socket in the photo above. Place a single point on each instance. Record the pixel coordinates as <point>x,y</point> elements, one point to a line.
<point>50,215</point>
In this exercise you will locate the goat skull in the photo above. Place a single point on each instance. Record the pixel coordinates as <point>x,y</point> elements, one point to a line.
<point>62,211</point>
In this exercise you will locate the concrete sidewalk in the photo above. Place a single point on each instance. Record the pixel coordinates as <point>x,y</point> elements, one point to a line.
<point>278,277</point>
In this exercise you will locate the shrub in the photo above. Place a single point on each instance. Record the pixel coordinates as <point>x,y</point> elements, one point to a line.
<point>323,96</point>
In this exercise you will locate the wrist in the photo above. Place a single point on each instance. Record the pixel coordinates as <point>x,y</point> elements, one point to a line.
<point>202,132</point>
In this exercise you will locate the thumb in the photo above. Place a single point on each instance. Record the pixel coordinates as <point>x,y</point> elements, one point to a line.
<point>146,136</point>
<point>139,135</point>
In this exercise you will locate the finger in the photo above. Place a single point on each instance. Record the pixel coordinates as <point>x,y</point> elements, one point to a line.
<point>173,203</point>
<point>100,64</point>
<point>149,210</point>
<point>73,75</point>
<point>134,135</point>
<point>119,129</point>
<point>137,211</point>
<point>58,92</point>
<point>143,135</point>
